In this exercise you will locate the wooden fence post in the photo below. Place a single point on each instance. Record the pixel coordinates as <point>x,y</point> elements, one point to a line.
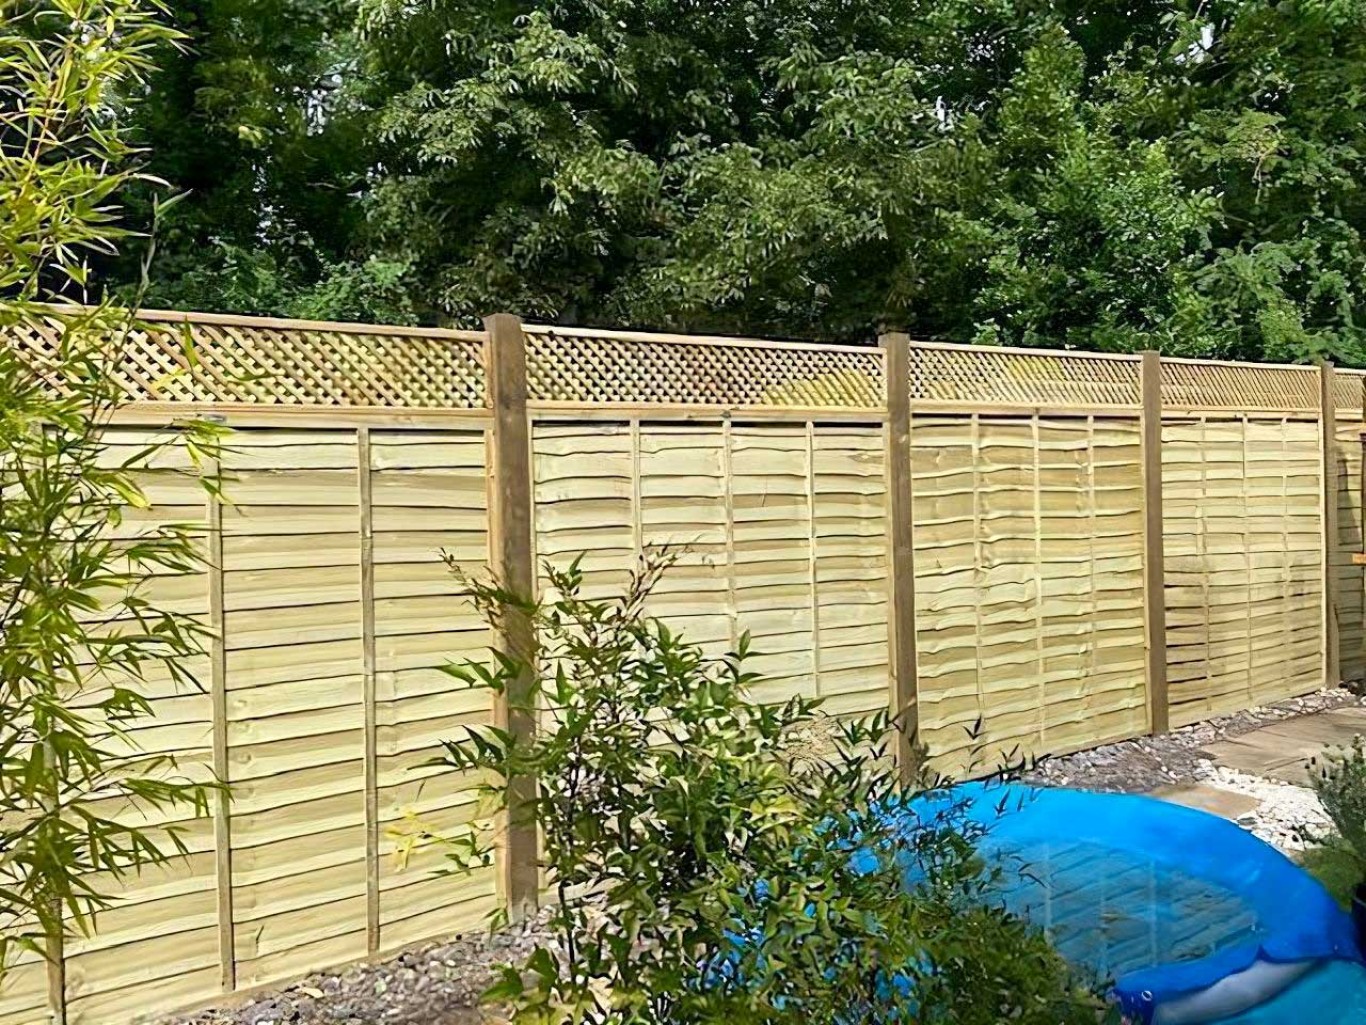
<point>514,566</point>
<point>1154,573</point>
<point>1332,671</point>
<point>904,701</point>
<point>369,703</point>
<point>218,689</point>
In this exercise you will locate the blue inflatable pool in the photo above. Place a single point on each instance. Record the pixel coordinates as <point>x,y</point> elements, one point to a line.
<point>1192,918</point>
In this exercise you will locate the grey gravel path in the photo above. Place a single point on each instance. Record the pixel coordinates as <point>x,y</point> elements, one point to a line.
<point>437,984</point>
<point>1148,763</point>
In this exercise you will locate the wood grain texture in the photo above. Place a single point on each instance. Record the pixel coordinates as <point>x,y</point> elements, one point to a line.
<point>422,625</point>
<point>165,922</point>
<point>1243,562</point>
<point>1154,579</point>
<point>1029,584</point>
<point>295,655</point>
<point>1328,504</point>
<point>778,531</point>
<point>218,683</point>
<point>904,699</point>
<point>365,499</point>
<point>505,357</point>
<point>1351,606</point>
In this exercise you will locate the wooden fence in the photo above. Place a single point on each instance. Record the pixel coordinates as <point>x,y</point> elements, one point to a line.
<point>1073,548</point>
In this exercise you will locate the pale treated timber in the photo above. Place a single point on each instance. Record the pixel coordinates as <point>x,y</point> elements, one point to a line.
<point>728,479</point>
<point>286,324</point>
<point>1058,410</point>
<point>299,417</point>
<point>514,566</point>
<point>901,599</point>
<point>813,563</point>
<point>666,338</point>
<point>546,411</point>
<point>371,747</point>
<point>1332,671</point>
<point>1231,412</point>
<point>1154,572</point>
<point>218,689</point>
<point>1016,350</point>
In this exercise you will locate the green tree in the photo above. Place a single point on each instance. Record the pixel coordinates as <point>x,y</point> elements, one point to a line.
<point>246,116</point>
<point>81,636</point>
<point>1104,175</point>
<point>1109,176</point>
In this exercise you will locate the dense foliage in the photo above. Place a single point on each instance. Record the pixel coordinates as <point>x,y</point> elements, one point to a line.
<point>1108,175</point>
<point>714,859</point>
<point>84,642</point>
<point>1338,777</point>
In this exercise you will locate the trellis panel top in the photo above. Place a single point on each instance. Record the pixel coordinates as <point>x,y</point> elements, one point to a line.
<point>216,360</point>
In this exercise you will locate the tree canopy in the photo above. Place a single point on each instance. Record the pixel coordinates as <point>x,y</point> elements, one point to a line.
<point>1113,175</point>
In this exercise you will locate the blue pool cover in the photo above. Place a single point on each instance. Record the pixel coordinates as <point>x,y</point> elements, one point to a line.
<point>1194,919</point>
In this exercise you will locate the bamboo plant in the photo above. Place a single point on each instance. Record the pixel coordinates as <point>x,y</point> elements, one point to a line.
<point>83,640</point>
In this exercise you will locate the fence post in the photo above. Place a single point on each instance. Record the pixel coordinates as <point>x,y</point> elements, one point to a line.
<point>896,350</point>
<point>1154,573</point>
<point>369,696</point>
<point>1332,671</point>
<point>218,689</point>
<point>513,564</point>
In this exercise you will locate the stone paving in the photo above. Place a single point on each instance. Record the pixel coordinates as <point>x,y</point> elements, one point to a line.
<point>1281,750</point>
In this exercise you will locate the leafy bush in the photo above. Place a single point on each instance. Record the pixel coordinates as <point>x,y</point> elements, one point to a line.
<point>709,858</point>
<point>1338,777</point>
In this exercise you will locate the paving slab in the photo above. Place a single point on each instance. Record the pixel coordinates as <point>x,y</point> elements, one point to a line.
<point>1280,750</point>
<point>1216,800</point>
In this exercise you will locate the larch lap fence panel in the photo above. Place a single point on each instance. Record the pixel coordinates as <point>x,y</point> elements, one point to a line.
<point>1244,523</point>
<point>1028,498</point>
<point>1020,552</point>
<point>321,694</point>
<point>1244,562</point>
<point>1029,583</point>
<point>778,531</point>
<point>1347,577</point>
<point>158,943</point>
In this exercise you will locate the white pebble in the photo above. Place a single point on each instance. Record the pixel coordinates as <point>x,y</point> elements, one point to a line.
<point>1283,810</point>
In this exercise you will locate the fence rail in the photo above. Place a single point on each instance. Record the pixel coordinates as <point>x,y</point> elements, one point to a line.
<point>1071,548</point>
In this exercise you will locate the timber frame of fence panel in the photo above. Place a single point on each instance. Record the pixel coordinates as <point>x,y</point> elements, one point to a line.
<point>1070,547</point>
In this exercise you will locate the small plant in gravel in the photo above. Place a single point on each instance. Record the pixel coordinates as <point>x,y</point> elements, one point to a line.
<point>707,862</point>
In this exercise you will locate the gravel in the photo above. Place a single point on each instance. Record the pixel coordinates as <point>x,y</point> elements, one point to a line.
<point>1284,809</point>
<point>1146,763</point>
<point>436,984</point>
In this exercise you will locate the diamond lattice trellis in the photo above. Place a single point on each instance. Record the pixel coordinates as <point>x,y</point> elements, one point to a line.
<point>1244,387</point>
<point>1349,393</point>
<point>567,367</point>
<point>1012,377</point>
<point>285,364</point>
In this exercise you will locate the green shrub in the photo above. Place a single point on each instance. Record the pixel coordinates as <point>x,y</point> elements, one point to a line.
<point>699,848</point>
<point>1338,777</point>
<point>1336,868</point>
